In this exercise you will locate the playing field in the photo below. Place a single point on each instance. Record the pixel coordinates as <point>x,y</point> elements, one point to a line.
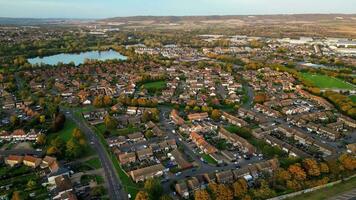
<point>323,81</point>
<point>158,85</point>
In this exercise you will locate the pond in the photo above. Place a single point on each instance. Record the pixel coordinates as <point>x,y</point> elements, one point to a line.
<point>78,59</point>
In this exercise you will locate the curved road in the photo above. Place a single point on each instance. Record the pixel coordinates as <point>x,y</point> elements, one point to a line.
<point>116,191</point>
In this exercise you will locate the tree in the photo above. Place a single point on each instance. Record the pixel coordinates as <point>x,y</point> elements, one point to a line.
<point>58,122</point>
<point>297,172</point>
<point>141,195</point>
<point>98,101</point>
<point>110,122</point>
<point>77,134</point>
<point>216,114</point>
<point>201,195</point>
<point>282,175</point>
<point>263,192</point>
<point>14,120</point>
<point>52,150</point>
<point>73,149</point>
<point>42,119</point>
<point>107,101</point>
<point>348,161</point>
<point>153,188</point>
<point>240,188</point>
<point>16,196</point>
<point>149,134</point>
<point>41,139</point>
<point>311,166</point>
<point>224,193</point>
<point>324,168</point>
<point>294,185</point>
<point>31,184</point>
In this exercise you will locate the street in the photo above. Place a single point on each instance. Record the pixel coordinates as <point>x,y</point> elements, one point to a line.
<point>116,191</point>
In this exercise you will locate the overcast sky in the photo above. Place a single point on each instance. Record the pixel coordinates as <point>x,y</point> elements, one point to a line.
<point>113,8</point>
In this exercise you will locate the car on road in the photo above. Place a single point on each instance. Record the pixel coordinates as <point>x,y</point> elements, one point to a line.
<point>178,173</point>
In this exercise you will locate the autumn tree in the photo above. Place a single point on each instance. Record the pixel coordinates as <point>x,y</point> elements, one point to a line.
<point>73,148</point>
<point>240,188</point>
<point>110,122</point>
<point>311,167</point>
<point>348,161</point>
<point>297,172</point>
<point>98,101</point>
<point>263,192</point>
<point>324,168</point>
<point>41,139</point>
<point>107,101</point>
<point>16,196</point>
<point>141,195</point>
<point>77,134</point>
<point>294,185</point>
<point>153,188</point>
<point>216,114</point>
<point>282,175</point>
<point>201,195</point>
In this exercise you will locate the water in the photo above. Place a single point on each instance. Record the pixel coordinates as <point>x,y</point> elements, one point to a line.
<point>78,59</point>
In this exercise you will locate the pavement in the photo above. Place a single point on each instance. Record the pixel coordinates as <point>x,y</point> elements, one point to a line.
<point>115,189</point>
<point>350,195</point>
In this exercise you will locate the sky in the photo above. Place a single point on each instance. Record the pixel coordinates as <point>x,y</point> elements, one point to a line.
<point>117,8</point>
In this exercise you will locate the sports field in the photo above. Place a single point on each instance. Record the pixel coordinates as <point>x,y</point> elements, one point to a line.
<point>324,81</point>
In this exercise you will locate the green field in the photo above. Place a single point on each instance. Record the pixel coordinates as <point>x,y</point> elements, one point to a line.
<point>209,159</point>
<point>94,163</point>
<point>117,132</point>
<point>66,133</point>
<point>323,81</point>
<point>328,192</point>
<point>155,86</point>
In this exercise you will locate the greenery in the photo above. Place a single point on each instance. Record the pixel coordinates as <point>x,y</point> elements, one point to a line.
<point>208,159</point>
<point>117,132</point>
<point>156,86</point>
<point>94,163</point>
<point>328,191</point>
<point>324,81</point>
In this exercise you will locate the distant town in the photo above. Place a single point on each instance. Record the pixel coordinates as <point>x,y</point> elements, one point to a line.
<point>173,113</point>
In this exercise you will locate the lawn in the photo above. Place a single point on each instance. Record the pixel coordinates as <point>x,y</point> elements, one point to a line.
<point>209,159</point>
<point>155,86</point>
<point>353,98</point>
<point>118,132</point>
<point>66,133</point>
<point>94,163</point>
<point>324,81</point>
<point>328,191</point>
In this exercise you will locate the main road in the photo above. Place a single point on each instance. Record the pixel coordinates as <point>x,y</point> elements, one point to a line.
<point>116,191</point>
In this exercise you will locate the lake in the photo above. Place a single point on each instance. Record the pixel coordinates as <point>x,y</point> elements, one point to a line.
<point>78,59</point>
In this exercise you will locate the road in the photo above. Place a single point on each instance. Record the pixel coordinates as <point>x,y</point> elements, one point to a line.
<point>116,191</point>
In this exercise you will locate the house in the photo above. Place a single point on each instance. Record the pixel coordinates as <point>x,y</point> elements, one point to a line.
<point>236,140</point>
<point>19,134</point>
<point>351,148</point>
<point>234,120</point>
<point>95,117</point>
<point>202,144</point>
<point>182,189</point>
<point>125,158</point>
<point>176,118</point>
<point>209,177</point>
<point>13,160</point>
<point>225,177</point>
<point>144,154</point>
<point>31,161</point>
<point>147,172</point>
<point>198,116</point>
<point>62,186</point>
<point>167,145</point>
<point>179,159</point>
<point>135,137</point>
<point>131,110</point>
<point>193,184</point>
<point>54,167</point>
